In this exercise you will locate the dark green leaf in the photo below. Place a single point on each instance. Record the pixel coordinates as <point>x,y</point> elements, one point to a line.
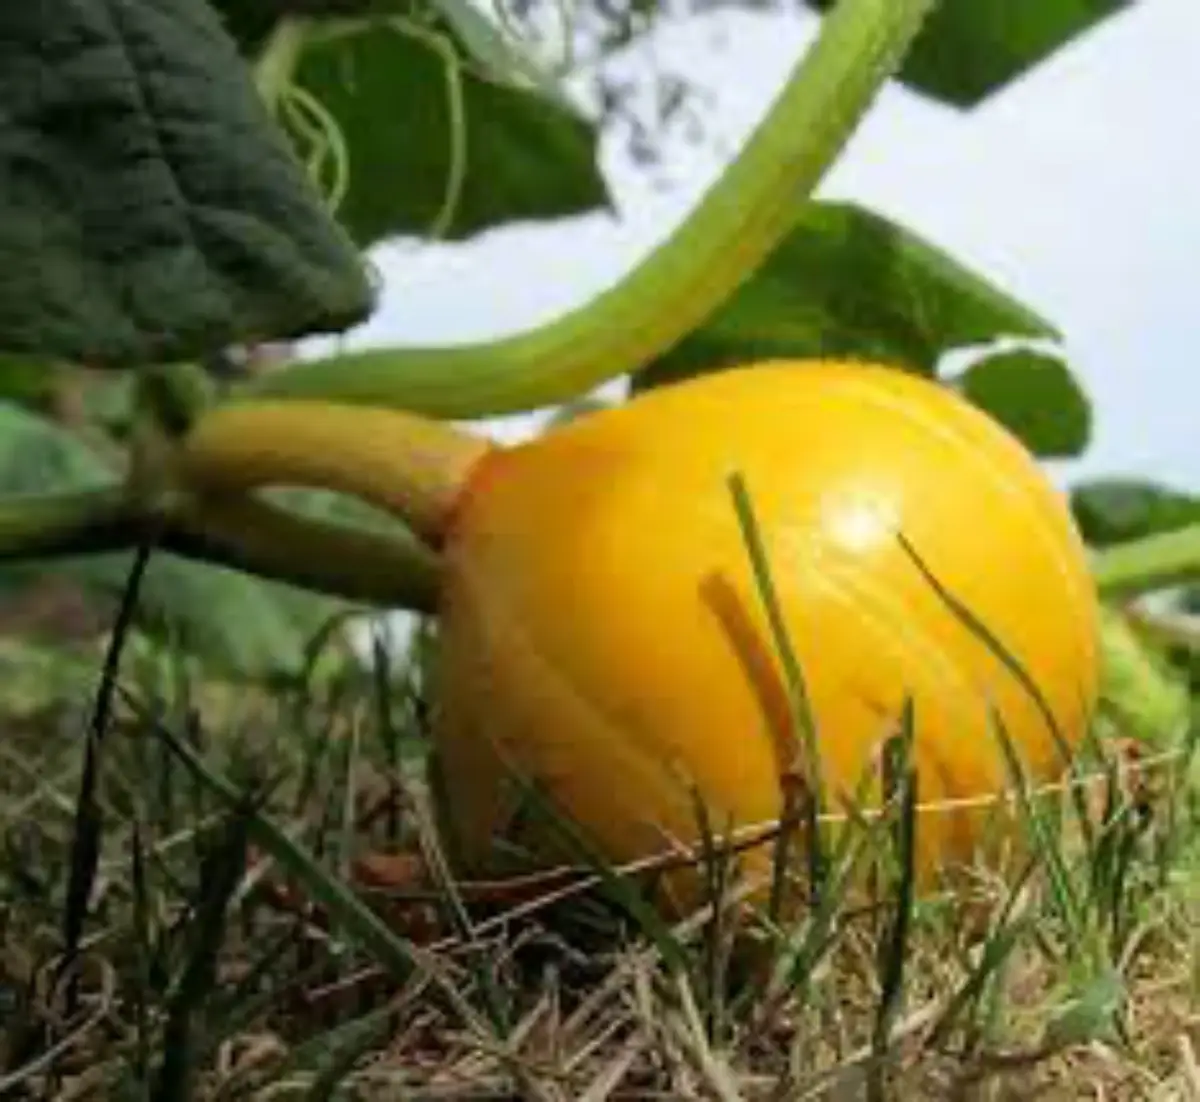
<point>1036,397</point>
<point>1114,510</point>
<point>515,154</point>
<point>970,49</point>
<point>154,208</point>
<point>237,626</point>
<point>848,282</point>
<point>51,387</point>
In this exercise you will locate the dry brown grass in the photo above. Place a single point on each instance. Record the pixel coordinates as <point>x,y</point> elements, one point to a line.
<point>521,999</point>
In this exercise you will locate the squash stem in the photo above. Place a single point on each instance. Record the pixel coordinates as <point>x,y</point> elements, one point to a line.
<point>256,537</point>
<point>409,466</point>
<point>78,523</point>
<point>391,570</point>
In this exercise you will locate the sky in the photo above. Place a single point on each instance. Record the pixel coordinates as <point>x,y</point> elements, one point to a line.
<point>1077,189</point>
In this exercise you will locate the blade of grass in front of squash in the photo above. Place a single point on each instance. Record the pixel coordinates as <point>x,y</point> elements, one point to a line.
<point>798,700</point>
<point>805,946</point>
<point>358,920</point>
<point>453,906</point>
<point>1046,845</point>
<point>142,986</point>
<point>981,631</point>
<point>961,611</point>
<point>900,791</point>
<point>1001,942</point>
<point>389,734</point>
<point>718,856</point>
<point>220,873</point>
<point>617,886</point>
<point>331,1056</point>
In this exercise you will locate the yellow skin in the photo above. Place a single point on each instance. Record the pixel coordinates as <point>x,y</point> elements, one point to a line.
<point>601,630</point>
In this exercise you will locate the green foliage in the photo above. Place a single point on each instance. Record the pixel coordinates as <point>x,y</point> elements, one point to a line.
<point>849,282</point>
<point>237,625</point>
<point>148,209</point>
<point>1114,510</point>
<point>229,912</point>
<point>435,144</point>
<point>27,382</point>
<point>169,217</point>
<point>36,453</point>
<point>971,49</point>
<point>1036,397</point>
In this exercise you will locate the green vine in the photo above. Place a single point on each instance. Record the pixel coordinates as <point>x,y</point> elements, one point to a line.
<point>277,60</point>
<point>1158,561</point>
<point>737,225</point>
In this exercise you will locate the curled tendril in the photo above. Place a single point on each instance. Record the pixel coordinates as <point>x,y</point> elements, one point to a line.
<point>456,110</point>
<point>317,127</point>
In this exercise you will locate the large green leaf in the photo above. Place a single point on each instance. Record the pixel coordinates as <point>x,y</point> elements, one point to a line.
<point>237,625</point>
<point>970,49</point>
<point>1114,510</point>
<point>27,381</point>
<point>149,209</point>
<point>1036,397</point>
<point>848,282</point>
<point>241,626</point>
<point>36,453</point>
<point>431,144</point>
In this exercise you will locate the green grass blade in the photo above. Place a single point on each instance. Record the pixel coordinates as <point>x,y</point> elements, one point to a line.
<point>900,790</point>
<point>88,826</point>
<point>804,723</point>
<point>219,877</point>
<point>351,914</point>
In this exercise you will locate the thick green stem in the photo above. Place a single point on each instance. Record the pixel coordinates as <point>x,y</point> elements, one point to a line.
<point>1155,562</point>
<point>737,225</point>
<point>247,534</point>
<point>54,525</point>
<point>256,537</point>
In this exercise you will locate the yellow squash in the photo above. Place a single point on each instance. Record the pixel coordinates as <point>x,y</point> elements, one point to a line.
<point>602,634</point>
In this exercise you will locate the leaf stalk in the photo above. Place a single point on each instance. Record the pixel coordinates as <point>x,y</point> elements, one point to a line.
<point>741,220</point>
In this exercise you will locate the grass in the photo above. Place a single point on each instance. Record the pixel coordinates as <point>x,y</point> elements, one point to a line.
<point>220,901</point>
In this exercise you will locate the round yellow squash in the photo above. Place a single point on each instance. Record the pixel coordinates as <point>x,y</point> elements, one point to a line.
<point>603,637</point>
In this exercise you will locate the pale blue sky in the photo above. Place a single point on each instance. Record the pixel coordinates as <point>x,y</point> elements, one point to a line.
<point>1078,189</point>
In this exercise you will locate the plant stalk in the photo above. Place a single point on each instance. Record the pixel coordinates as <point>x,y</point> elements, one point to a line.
<point>740,221</point>
<point>259,538</point>
<point>78,523</point>
<point>409,466</point>
<point>1159,561</point>
<point>246,534</point>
